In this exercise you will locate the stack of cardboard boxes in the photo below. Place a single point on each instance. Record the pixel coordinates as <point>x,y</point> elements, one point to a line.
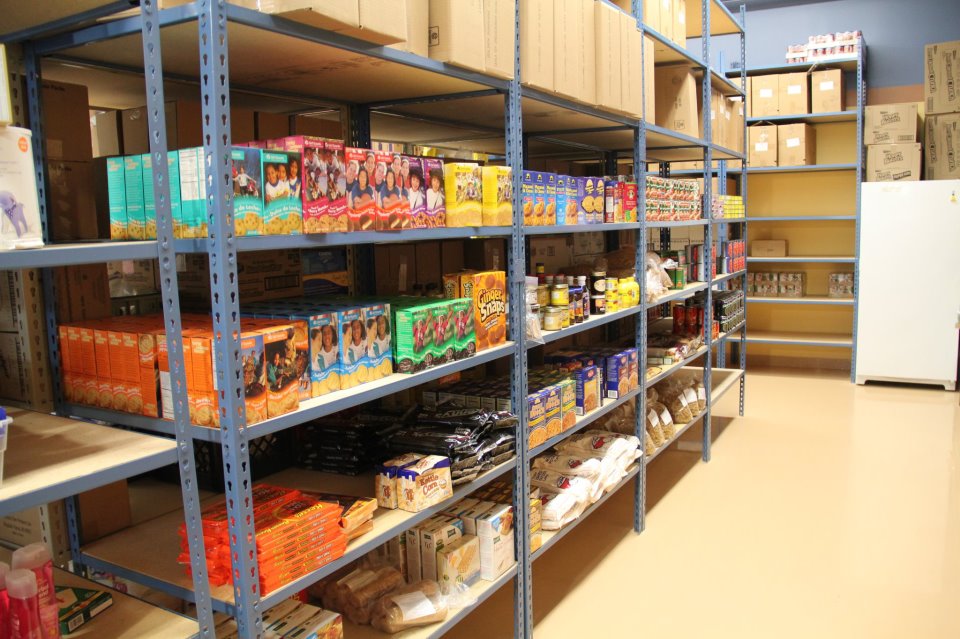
<point>890,133</point>
<point>942,101</point>
<point>790,94</point>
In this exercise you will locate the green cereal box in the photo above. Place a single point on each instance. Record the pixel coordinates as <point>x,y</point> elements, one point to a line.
<point>117,199</point>
<point>325,364</point>
<point>444,332</point>
<point>379,340</point>
<point>552,408</point>
<point>413,338</point>
<point>173,179</point>
<point>133,180</point>
<point>247,191</point>
<point>282,206</point>
<point>536,418</point>
<point>149,200</point>
<point>465,338</point>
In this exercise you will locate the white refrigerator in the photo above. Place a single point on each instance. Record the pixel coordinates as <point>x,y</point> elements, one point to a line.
<point>909,290</point>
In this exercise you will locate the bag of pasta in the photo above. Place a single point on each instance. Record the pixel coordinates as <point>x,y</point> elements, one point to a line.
<point>667,426</point>
<point>419,604</point>
<point>701,393</point>
<point>671,392</point>
<point>654,430</point>
<point>648,446</point>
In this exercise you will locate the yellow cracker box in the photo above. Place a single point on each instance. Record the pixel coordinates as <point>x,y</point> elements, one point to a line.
<point>497,196</point>
<point>464,188</point>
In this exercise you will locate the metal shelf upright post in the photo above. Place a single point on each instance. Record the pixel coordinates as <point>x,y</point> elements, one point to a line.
<point>708,261</point>
<point>861,152</point>
<point>641,323</point>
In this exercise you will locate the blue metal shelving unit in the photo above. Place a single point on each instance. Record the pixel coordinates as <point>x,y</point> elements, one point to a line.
<point>246,603</point>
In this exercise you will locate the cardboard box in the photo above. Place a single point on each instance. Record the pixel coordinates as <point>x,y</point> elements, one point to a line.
<point>649,85</point>
<point>66,121</point>
<point>457,33</point>
<point>377,21</point>
<point>891,123</point>
<point>499,32</point>
<point>893,162</point>
<point>763,145</point>
<point>941,88</point>
<point>587,31</point>
<point>418,29</point>
<point>104,510</point>
<point>827,94</point>
<point>679,31</point>
<point>270,125</point>
<point>537,43</point>
<point>666,18</point>
<point>793,93</point>
<point>106,137</point>
<point>607,29</point>
<point>676,100</point>
<point>943,147</point>
<point>566,70</point>
<point>768,248</point>
<point>184,125</point>
<point>71,204</point>
<point>46,524</point>
<point>263,275</point>
<point>796,145</point>
<point>764,96</point>
<point>631,66</point>
<point>651,13</point>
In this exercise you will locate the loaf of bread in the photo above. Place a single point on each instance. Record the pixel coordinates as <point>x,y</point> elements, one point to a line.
<point>418,604</point>
<point>358,598</point>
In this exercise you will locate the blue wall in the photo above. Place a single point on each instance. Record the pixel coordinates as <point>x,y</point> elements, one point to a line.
<point>895,32</point>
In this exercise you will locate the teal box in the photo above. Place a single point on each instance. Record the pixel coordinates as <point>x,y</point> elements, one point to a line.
<point>193,191</point>
<point>282,209</point>
<point>133,180</point>
<point>149,198</point>
<point>117,198</point>
<point>173,179</point>
<point>247,193</point>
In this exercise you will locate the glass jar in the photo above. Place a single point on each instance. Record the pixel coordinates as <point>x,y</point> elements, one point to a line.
<point>553,318</point>
<point>559,295</point>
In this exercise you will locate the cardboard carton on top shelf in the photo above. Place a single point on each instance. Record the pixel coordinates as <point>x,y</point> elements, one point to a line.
<point>768,248</point>
<point>184,126</point>
<point>566,70</point>
<point>764,96</point>
<point>268,126</point>
<point>941,86</point>
<point>794,93</point>
<point>763,146</point>
<point>891,123</point>
<point>587,30</point>
<point>106,139</point>
<point>608,62</point>
<point>827,94</point>
<point>66,121</point>
<point>536,44</point>
<point>796,145</point>
<point>679,17</point>
<point>666,18</point>
<point>893,162</point>
<point>456,33</point>
<point>651,14</point>
<point>499,29</point>
<point>418,28</point>
<point>649,81</point>
<point>377,21</point>
<point>676,100</point>
<point>631,66</point>
<point>942,157</point>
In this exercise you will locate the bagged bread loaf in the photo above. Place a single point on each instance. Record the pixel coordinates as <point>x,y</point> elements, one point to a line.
<point>418,604</point>
<point>358,597</point>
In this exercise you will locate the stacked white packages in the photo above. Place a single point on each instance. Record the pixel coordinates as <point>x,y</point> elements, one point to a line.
<point>579,472</point>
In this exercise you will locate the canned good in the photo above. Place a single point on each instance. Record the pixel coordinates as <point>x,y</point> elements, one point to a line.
<point>598,304</point>
<point>679,319</point>
<point>552,318</point>
<point>559,295</point>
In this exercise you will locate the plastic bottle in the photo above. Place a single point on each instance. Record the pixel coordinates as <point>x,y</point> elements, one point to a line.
<point>4,602</point>
<point>24,605</point>
<point>582,283</point>
<point>37,559</point>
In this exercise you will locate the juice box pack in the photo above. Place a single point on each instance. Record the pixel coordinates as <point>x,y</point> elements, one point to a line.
<point>282,206</point>
<point>361,198</point>
<point>497,196</point>
<point>247,194</point>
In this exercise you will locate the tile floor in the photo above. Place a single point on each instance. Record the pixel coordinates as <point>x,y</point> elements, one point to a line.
<point>829,510</point>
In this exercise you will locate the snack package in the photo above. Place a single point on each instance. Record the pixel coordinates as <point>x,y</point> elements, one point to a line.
<point>414,190</point>
<point>283,379</point>
<point>497,196</point>
<point>282,188</point>
<point>465,337</point>
<point>353,347</point>
<point>490,308</point>
<point>379,341</point>
<point>386,479</point>
<point>424,483</point>
<point>459,563</point>
<point>325,364</point>
<point>361,196</point>
<point>464,187</point>
<point>436,210</point>
<point>359,594</point>
<point>247,191</point>
<point>418,604</point>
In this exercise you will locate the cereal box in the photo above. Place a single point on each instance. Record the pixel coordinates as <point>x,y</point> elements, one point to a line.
<point>444,332</point>
<point>465,338</point>
<point>413,338</point>
<point>378,180</point>
<point>588,389</point>
<point>633,359</point>
<point>147,351</point>
<point>247,194</point>
<point>528,198</point>
<point>116,198</point>
<point>282,206</point>
<point>536,418</point>
<point>415,190</point>
<point>424,483</point>
<point>311,181</point>
<point>568,404</point>
<point>590,200</point>
<point>497,196</point>
<point>280,356</point>
<point>376,317</point>
<point>173,178</point>
<point>361,198</point>
<point>552,406</point>
<point>495,534</point>
<point>539,198</point>
<point>489,308</point>
<point>459,563</point>
<point>336,186</point>
<point>550,209</point>
<point>149,198</point>
<point>193,192</point>
<point>630,202</point>
<point>395,207</point>
<point>617,378</point>
<point>254,376</point>
<point>353,345</point>
<point>436,211</point>
<point>570,200</point>
<point>386,479</point>
<point>434,540</point>
<point>464,187</point>
<point>133,182</point>
<point>562,199</point>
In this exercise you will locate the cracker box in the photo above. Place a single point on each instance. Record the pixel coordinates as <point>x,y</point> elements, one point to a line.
<point>590,200</point>
<point>282,206</point>
<point>633,361</point>
<point>497,196</point>
<point>444,332</point>
<point>247,193</point>
<point>568,404</point>
<point>133,182</point>
<point>464,186</point>
<point>424,483</point>
<point>361,197</point>
<point>378,181</point>
<point>588,389</point>
<point>617,378</point>
<point>149,198</point>
<point>376,317</point>
<point>280,357</point>
<point>193,192</point>
<point>433,540</point>
<point>309,180</point>
<point>552,408</point>
<point>413,338</point>
<point>630,202</point>
<point>415,191</point>
<point>550,208</point>
<point>495,534</point>
<point>436,212</point>
<point>336,186</point>
<point>394,209</point>
<point>353,347</point>
<point>459,563</point>
<point>254,376</point>
<point>386,479</point>
<point>469,517</point>
<point>561,197</point>
<point>117,198</point>
<point>490,308</point>
<point>528,198</point>
<point>465,338</point>
<point>536,418</point>
<point>325,367</point>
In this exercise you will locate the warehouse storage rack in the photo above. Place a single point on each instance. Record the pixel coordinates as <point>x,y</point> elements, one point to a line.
<point>139,553</point>
<point>854,65</point>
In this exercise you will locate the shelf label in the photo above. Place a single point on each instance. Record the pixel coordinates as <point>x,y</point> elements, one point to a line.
<point>793,142</point>
<point>793,89</point>
<point>826,85</point>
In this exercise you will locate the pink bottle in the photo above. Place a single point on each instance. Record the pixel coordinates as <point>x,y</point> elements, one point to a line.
<point>24,605</point>
<point>37,559</point>
<point>4,602</point>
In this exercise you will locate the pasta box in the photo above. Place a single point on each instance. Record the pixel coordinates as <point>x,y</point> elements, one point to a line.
<point>536,418</point>
<point>588,389</point>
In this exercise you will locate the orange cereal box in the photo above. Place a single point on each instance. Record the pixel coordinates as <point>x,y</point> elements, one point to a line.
<point>489,294</point>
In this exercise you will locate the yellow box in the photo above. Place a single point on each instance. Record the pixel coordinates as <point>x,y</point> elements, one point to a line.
<point>464,188</point>
<point>497,196</point>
